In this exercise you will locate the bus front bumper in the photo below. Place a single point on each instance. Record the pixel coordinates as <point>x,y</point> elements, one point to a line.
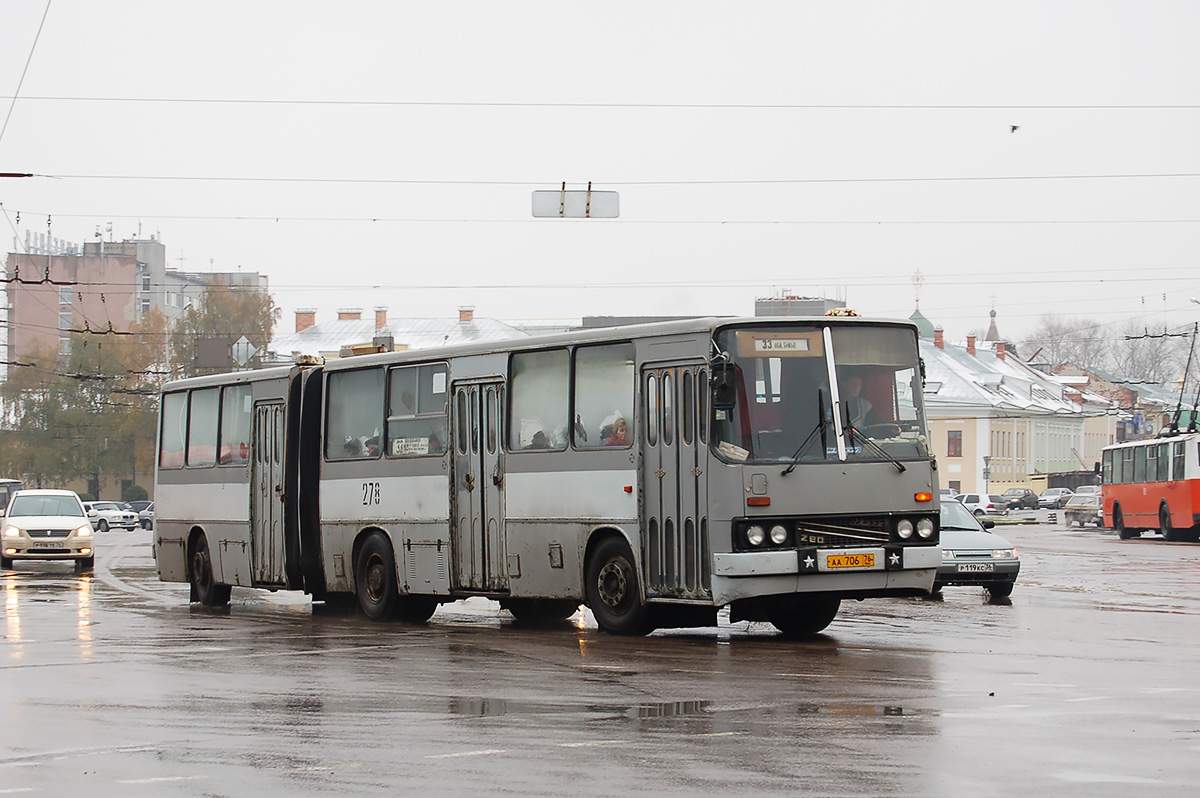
<point>879,571</point>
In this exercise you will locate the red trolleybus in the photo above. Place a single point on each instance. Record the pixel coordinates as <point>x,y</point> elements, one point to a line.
<point>1154,484</point>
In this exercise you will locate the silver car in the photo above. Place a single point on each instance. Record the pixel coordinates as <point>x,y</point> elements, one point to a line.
<point>47,525</point>
<point>971,555</point>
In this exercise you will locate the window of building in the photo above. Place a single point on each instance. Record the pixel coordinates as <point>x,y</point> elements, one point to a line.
<point>236,402</point>
<point>540,395</point>
<point>65,295</point>
<point>604,385</point>
<point>64,318</point>
<point>354,414</point>
<point>146,282</point>
<point>202,427</point>
<point>955,485</point>
<point>64,346</point>
<point>954,447</point>
<point>145,305</point>
<point>416,420</point>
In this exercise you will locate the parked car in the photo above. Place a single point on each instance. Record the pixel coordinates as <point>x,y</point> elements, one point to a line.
<point>106,515</point>
<point>139,505</point>
<point>146,516</point>
<point>1021,499</point>
<point>1084,508</point>
<point>47,525</point>
<point>1054,498</point>
<point>948,493</point>
<point>971,555</point>
<point>1087,490</point>
<point>984,503</point>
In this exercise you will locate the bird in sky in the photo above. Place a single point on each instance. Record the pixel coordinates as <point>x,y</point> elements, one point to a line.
<point>1014,129</point>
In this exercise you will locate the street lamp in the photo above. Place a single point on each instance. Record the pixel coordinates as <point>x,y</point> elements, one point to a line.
<point>987,472</point>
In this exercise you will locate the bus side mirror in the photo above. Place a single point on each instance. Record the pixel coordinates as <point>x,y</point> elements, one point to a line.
<point>724,387</point>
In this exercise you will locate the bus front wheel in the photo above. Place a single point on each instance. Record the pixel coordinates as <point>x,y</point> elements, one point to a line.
<point>1123,532</point>
<point>803,616</point>
<point>613,592</point>
<point>204,585</point>
<point>375,578</point>
<point>1164,524</point>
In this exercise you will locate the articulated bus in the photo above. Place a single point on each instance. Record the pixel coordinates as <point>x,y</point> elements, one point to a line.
<point>1153,484</point>
<point>656,473</point>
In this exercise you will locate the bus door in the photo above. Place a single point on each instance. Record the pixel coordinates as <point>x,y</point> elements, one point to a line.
<point>674,481</point>
<point>477,495</point>
<point>266,494</point>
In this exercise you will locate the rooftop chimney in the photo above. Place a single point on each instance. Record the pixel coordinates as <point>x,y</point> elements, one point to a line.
<point>970,344</point>
<point>349,314</point>
<point>466,314</point>
<point>305,318</point>
<point>939,338</point>
<point>380,317</point>
<point>1000,349</point>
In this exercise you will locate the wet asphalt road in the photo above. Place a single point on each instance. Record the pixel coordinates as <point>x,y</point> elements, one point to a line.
<point>1083,683</point>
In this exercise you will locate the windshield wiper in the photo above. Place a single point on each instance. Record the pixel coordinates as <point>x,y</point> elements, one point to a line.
<point>853,431</point>
<point>821,426</point>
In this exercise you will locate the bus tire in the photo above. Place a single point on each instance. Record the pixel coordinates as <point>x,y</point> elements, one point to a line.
<point>1123,532</point>
<point>613,591</point>
<point>540,611</point>
<point>1164,524</point>
<point>375,578</point>
<point>200,574</point>
<point>800,615</point>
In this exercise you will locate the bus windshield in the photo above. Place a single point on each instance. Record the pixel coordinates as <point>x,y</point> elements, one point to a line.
<point>785,383</point>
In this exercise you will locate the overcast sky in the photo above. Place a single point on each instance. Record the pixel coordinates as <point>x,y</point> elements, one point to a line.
<point>384,153</point>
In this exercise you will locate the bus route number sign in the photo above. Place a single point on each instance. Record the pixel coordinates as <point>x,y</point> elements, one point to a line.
<point>781,345</point>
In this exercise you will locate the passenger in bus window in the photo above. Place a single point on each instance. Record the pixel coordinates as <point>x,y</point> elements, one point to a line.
<point>617,435</point>
<point>373,446</point>
<point>540,441</point>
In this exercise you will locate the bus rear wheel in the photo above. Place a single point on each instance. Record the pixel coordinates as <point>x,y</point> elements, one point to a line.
<point>204,585</point>
<point>613,592</point>
<point>375,578</point>
<point>803,616</point>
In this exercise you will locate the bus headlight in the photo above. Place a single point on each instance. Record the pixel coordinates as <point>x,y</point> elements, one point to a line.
<point>925,528</point>
<point>755,535</point>
<point>904,529</point>
<point>779,535</point>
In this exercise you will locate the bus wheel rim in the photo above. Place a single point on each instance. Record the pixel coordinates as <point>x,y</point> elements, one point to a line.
<point>612,583</point>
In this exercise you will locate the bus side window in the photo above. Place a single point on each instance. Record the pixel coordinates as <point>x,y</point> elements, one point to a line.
<point>417,411</point>
<point>202,427</point>
<point>354,414</point>
<point>174,430</point>
<point>235,425</point>
<point>604,386</point>
<point>539,400</point>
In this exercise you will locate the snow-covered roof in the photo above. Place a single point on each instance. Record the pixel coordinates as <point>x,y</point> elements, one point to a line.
<point>327,338</point>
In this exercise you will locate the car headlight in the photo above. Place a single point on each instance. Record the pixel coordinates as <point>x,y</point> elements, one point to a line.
<point>12,532</point>
<point>925,528</point>
<point>755,535</point>
<point>779,535</point>
<point>904,529</point>
<point>1004,554</point>
<point>84,531</point>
